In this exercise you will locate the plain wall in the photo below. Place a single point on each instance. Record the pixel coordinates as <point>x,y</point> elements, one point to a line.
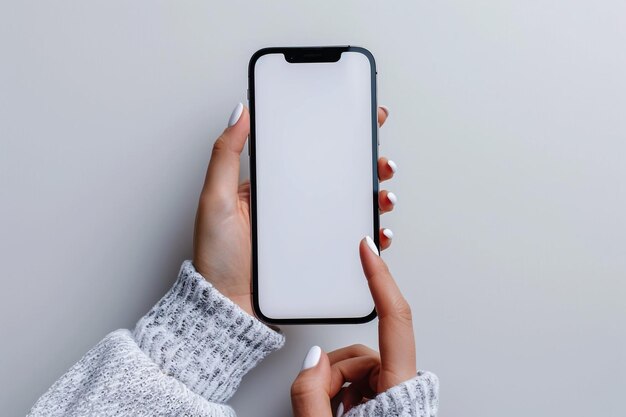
<point>508,126</point>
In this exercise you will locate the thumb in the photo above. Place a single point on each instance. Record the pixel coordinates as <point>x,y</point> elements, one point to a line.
<point>222,178</point>
<point>310,390</point>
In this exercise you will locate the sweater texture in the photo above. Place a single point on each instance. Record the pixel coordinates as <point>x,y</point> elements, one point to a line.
<point>187,357</point>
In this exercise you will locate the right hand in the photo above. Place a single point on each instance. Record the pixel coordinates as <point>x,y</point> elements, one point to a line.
<point>318,388</point>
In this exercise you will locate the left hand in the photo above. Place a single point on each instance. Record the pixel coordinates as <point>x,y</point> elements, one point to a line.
<point>221,244</point>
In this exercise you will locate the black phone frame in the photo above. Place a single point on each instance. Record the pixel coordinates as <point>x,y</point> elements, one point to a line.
<point>303,55</point>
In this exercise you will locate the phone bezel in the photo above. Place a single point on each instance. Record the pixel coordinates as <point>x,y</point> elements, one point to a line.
<point>303,55</point>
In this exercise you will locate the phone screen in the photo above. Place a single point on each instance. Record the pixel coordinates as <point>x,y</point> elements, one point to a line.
<point>314,186</point>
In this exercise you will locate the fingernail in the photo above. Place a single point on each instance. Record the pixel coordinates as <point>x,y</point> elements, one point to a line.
<point>371,244</point>
<point>339,412</point>
<point>312,357</point>
<point>385,109</point>
<point>388,233</point>
<point>392,197</point>
<point>392,165</point>
<point>235,115</point>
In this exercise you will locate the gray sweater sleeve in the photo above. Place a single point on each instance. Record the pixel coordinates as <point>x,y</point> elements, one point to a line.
<point>187,356</point>
<point>417,397</point>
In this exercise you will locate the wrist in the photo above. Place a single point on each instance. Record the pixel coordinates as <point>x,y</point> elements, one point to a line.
<point>243,301</point>
<point>238,294</point>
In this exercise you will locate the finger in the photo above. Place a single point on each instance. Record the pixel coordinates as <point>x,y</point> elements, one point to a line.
<point>383,114</point>
<point>222,176</point>
<point>337,404</point>
<point>309,392</point>
<point>386,201</point>
<point>244,191</point>
<point>354,395</point>
<point>360,368</point>
<point>364,390</point>
<point>351,351</point>
<point>385,238</point>
<point>386,168</point>
<point>395,328</point>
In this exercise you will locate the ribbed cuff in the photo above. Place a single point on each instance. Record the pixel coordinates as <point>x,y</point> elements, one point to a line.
<point>203,339</point>
<point>417,397</point>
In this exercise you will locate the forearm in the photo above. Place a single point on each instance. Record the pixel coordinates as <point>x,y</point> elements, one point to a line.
<point>418,397</point>
<point>202,338</point>
<point>187,356</point>
<point>116,378</point>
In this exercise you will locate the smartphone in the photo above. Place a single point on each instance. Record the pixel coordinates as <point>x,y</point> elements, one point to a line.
<point>313,150</point>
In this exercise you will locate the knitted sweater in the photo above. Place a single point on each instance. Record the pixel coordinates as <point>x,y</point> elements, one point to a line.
<point>187,357</point>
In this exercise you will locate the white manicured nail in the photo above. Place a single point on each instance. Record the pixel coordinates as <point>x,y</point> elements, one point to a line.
<point>371,244</point>
<point>339,412</point>
<point>385,109</point>
<point>312,357</point>
<point>388,233</point>
<point>392,165</point>
<point>235,115</point>
<point>392,197</point>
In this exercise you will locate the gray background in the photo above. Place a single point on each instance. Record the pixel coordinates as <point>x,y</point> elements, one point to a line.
<point>507,125</point>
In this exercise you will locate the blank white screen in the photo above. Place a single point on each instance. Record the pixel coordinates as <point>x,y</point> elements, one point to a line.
<point>314,186</point>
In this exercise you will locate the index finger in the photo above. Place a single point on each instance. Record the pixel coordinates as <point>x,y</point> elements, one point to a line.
<point>395,326</point>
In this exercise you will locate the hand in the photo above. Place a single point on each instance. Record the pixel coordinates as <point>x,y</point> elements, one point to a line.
<point>318,388</point>
<point>221,244</point>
